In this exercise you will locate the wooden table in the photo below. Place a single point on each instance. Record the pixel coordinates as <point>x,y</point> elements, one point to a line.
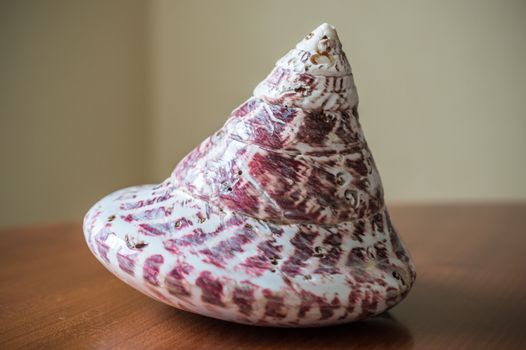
<point>470,293</point>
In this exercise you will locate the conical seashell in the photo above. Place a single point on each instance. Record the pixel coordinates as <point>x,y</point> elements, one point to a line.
<point>276,219</point>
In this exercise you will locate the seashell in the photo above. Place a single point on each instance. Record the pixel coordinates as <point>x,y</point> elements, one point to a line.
<point>277,219</point>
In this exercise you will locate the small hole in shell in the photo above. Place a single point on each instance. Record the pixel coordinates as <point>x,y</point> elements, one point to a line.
<point>111,218</point>
<point>140,245</point>
<point>398,277</point>
<point>130,245</point>
<point>225,187</point>
<point>178,223</point>
<point>307,277</point>
<point>327,118</point>
<point>318,251</point>
<point>352,197</point>
<point>339,179</point>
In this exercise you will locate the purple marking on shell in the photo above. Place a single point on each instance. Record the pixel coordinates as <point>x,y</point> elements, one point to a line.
<point>175,280</point>
<point>211,289</point>
<point>151,269</point>
<point>127,262</point>
<point>277,219</point>
<point>244,297</point>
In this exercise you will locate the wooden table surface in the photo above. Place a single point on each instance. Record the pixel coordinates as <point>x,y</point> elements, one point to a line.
<point>470,293</point>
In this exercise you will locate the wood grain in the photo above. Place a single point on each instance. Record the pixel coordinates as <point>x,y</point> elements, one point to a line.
<point>470,293</point>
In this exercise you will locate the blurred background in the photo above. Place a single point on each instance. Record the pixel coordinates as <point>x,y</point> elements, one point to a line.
<point>102,94</point>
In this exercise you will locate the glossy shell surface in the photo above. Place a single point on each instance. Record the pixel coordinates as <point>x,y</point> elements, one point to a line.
<point>277,219</point>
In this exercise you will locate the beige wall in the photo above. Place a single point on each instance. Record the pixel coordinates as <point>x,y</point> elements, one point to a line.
<point>73,112</point>
<point>96,95</point>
